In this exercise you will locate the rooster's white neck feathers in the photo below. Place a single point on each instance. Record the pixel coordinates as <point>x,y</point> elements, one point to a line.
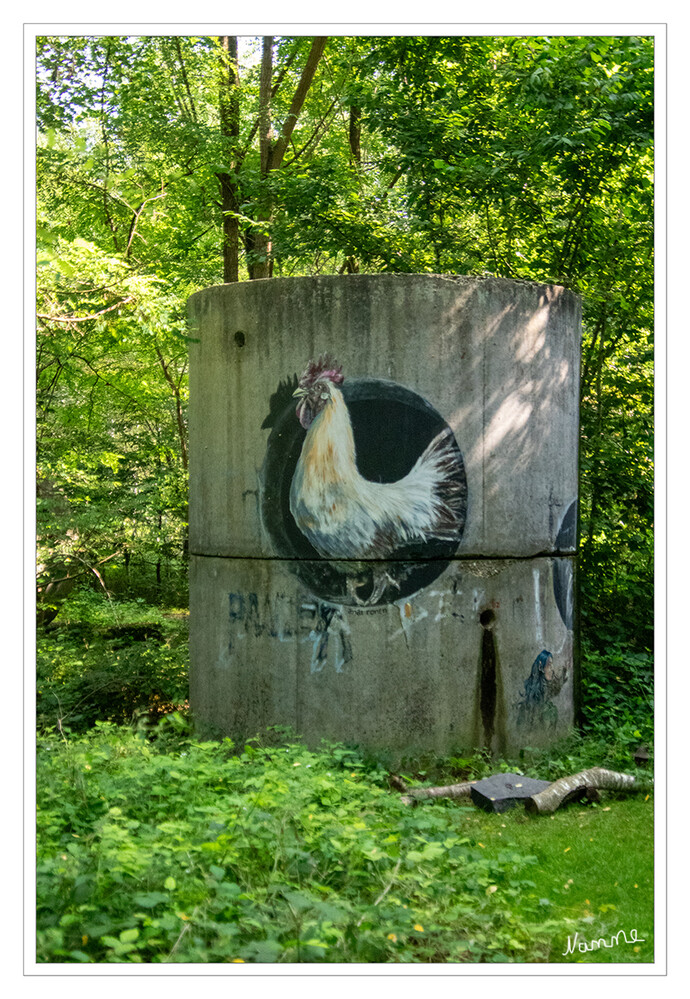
<point>329,447</point>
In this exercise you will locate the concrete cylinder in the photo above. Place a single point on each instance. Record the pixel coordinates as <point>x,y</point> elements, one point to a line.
<point>340,619</point>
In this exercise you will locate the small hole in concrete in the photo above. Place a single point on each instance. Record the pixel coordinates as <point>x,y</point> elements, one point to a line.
<point>487,618</point>
<point>240,339</point>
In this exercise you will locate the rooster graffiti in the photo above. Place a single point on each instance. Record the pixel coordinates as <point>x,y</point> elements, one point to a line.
<point>364,486</point>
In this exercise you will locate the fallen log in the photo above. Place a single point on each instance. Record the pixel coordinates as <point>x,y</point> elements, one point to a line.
<point>567,788</point>
<point>449,791</point>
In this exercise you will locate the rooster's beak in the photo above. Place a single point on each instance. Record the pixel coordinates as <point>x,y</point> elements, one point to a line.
<point>299,393</point>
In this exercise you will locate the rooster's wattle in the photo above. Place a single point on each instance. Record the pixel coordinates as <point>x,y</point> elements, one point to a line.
<point>344,515</point>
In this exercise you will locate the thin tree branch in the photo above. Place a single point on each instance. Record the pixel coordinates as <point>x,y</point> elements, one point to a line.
<point>84,319</point>
<point>355,135</point>
<point>178,406</point>
<point>82,572</point>
<point>184,78</point>
<point>132,399</point>
<point>50,391</point>
<point>314,137</point>
<point>280,76</point>
<point>386,889</point>
<point>229,100</point>
<point>137,214</point>
<point>109,219</point>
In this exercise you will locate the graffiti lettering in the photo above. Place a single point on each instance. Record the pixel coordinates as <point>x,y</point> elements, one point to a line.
<point>324,625</point>
<point>331,622</point>
<point>251,615</point>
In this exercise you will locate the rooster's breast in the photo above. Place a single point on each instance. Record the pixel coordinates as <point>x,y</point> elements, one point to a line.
<point>333,519</point>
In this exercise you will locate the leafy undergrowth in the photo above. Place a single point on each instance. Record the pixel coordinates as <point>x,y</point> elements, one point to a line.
<point>110,660</point>
<point>155,846</point>
<point>177,850</point>
<point>618,692</point>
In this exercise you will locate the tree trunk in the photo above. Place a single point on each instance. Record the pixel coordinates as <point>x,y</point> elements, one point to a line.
<point>351,264</point>
<point>272,150</point>
<point>179,410</point>
<point>257,240</point>
<point>230,130</point>
<point>567,788</point>
<point>158,561</point>
<point>355,135</point>
<point>449,791</point>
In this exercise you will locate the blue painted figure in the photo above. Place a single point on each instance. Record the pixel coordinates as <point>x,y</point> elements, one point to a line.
<point>543,683</point>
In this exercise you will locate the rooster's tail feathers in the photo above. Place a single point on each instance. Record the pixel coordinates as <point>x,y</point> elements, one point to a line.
<point>443,460</point>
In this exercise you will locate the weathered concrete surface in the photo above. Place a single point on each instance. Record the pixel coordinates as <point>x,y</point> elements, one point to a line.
<point>497,359</point>
<point>466,646</point>
<point>454,665</point>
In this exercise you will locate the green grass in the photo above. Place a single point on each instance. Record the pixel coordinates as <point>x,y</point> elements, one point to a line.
<point>594,871</point>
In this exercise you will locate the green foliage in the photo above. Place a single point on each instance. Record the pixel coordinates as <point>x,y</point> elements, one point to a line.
<point>617,695</point>
<point>118,382</point>
<point>189,851</point>
<point>113,661</point>
<point>155,846</point>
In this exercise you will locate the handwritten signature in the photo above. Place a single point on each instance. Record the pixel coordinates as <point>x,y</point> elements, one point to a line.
<point>614,941</point>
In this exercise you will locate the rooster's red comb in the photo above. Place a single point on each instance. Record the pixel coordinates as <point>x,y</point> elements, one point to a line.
<point>325,367</point>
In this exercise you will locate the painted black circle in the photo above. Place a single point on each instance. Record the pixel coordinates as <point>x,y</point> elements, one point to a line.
<point>563,580</point>
<point>392,426</point>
